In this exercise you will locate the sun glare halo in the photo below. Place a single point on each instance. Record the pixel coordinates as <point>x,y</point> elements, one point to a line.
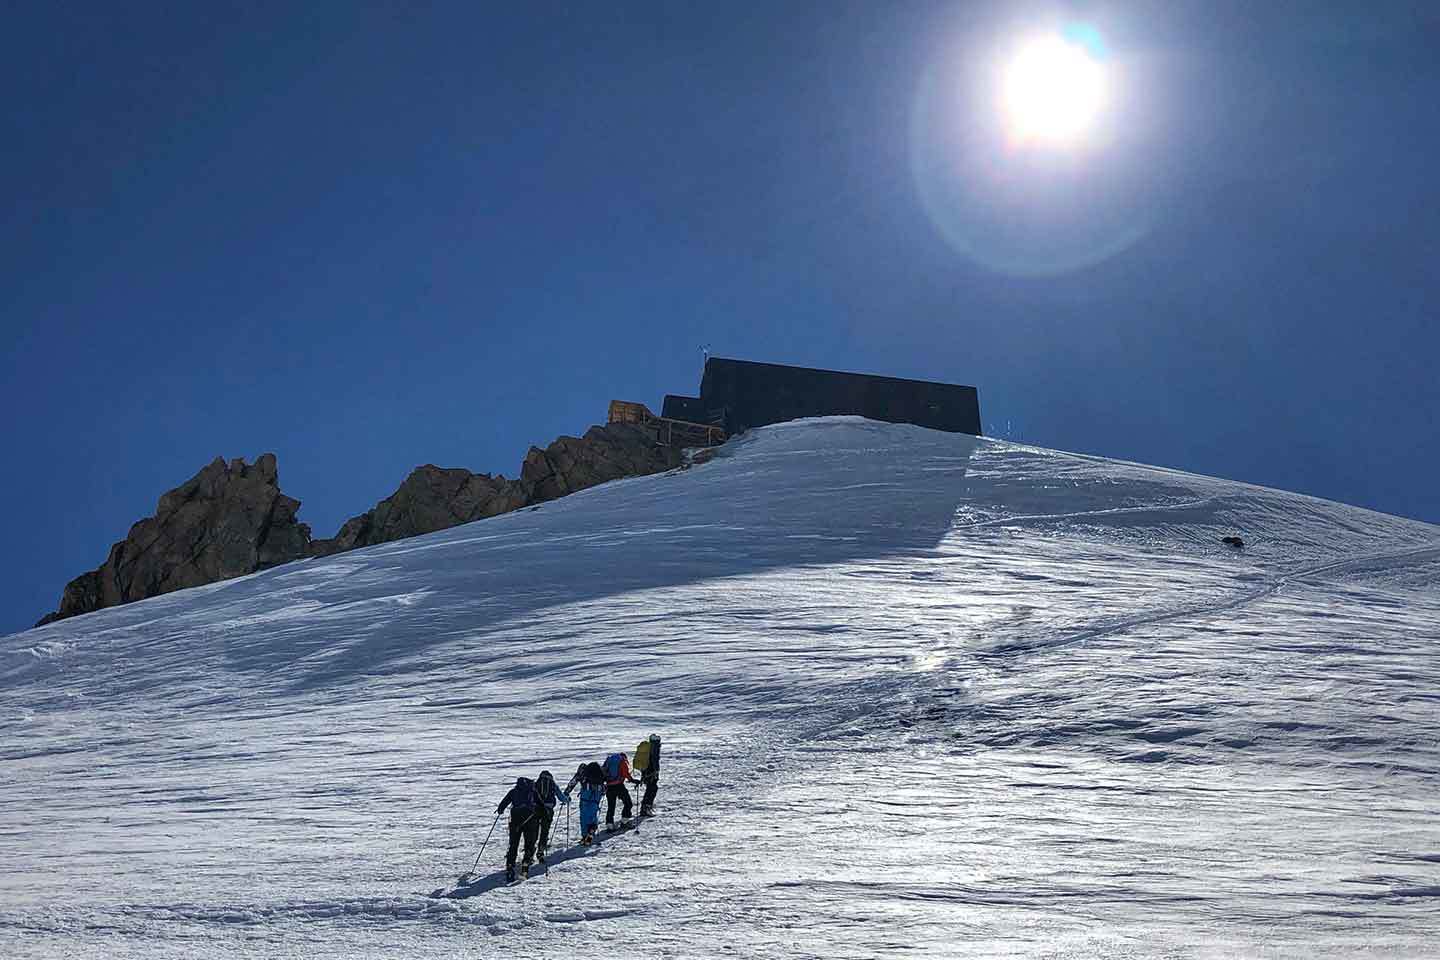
<point>1053,89</point>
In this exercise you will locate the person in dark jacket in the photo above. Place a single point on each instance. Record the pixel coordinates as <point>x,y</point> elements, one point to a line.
<point>549,795</point>
<point>650,776</point>
<point>524,804</point>
<point>580,775</point>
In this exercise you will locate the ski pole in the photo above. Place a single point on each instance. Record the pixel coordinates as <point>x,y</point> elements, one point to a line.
<point>487,840</point>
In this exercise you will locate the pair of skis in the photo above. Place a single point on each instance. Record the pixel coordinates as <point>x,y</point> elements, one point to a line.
<point>472,884</point>
<point>610,830</point>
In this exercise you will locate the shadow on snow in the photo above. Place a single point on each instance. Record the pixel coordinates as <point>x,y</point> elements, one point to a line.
<point>490,881</point>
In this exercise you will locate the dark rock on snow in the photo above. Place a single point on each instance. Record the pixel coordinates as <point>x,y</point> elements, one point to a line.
<point>605,453</point>
<point>227,520</point>
<point>231,519</point>
<point>431,498</point>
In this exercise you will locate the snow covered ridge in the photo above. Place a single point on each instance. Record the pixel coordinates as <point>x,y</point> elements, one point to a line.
<point>922,694</point>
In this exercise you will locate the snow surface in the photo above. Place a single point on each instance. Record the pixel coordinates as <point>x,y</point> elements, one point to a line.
<point>921,695</point>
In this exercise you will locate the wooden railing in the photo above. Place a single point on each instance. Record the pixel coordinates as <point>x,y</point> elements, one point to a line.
<point>667,431</point>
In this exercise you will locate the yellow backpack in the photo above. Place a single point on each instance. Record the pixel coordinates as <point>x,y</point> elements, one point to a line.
<point>641,758</point>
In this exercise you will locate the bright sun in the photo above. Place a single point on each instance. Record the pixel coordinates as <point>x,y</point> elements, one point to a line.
<point>1053,91</point>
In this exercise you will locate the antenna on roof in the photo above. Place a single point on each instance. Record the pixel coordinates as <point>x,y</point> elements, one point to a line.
<point>704,355</point>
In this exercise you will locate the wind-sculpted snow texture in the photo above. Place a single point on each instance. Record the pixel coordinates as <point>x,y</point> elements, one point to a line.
<point>922,695</point>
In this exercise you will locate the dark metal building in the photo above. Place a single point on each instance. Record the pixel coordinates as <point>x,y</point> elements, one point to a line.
<point>739,394</point>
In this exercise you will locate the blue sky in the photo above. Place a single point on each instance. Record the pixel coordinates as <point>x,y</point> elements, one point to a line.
<point>367,237</point>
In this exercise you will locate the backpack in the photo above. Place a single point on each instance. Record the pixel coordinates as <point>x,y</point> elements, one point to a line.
<point>523,797</point>
<point>612,768</point>
<point>594,776</point>
<point>546,789</point>
<point>642,756</point>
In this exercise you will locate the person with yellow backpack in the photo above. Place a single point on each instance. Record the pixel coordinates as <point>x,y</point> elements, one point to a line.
<point>647,764</point>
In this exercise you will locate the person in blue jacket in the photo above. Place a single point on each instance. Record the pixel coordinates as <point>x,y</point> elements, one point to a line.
<point>591,779</point>
<point>549,795</point>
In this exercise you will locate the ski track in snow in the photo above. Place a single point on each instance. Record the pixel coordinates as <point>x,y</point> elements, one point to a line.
<point>1377,562</point>
<point>922,695</point>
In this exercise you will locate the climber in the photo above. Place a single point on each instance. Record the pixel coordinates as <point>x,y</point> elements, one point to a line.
<point>647,761</point>
<point>617,773</point>
<point>591,778</point>
<point>549,794</point>
<point>524,804</point>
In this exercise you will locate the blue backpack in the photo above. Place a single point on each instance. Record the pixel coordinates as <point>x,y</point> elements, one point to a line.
<point>612,767</point>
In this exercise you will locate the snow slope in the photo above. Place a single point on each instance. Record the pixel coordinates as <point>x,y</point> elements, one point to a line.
<point>921,695</point>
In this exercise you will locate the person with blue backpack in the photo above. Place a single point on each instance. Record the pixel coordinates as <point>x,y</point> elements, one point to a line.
<point>549,795</point>
<point>524,804</point>
<point>617,773</point>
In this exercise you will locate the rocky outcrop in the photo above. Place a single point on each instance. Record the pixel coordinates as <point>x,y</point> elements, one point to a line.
<point>431,498</point>
<point>231,519</point>
<point>434,498</point>
<point>227,520</point>
<point>603,454</point>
